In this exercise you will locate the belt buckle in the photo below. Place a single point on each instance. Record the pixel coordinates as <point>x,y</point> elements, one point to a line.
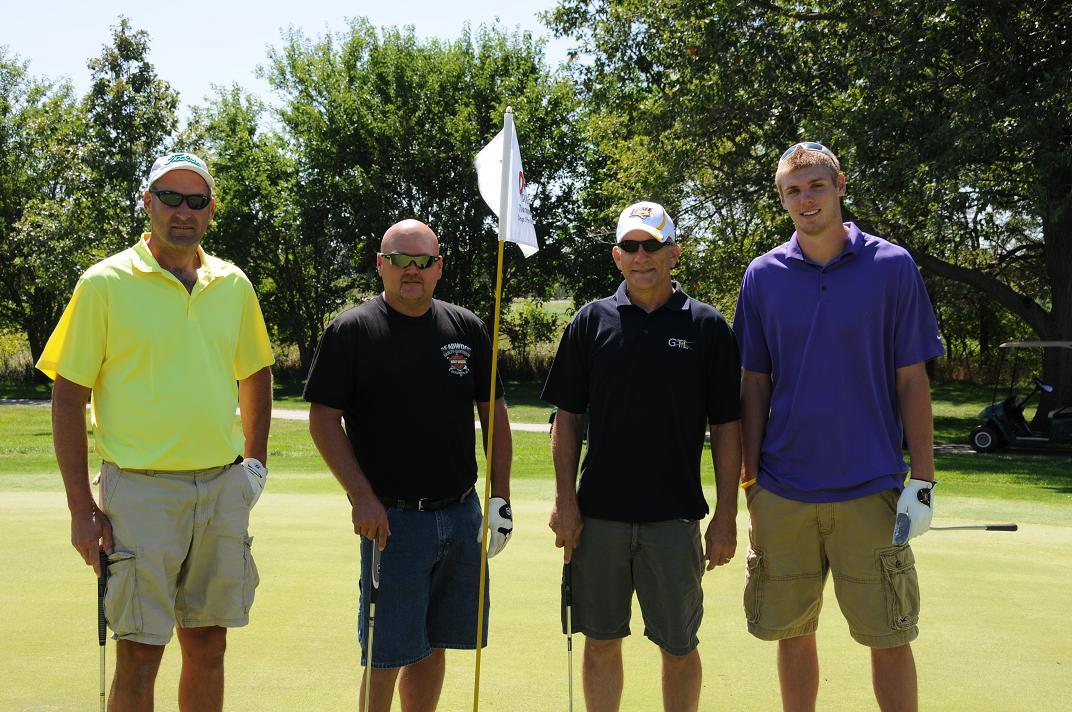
<point>421,503</point>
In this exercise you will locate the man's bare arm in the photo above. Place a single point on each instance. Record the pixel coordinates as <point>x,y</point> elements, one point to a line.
<point>90,529</point>
<point>255,407</point>
<point>367,513</point>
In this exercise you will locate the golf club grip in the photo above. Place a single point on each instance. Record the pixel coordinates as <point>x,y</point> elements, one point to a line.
<point>102,586</point>
<point>1001,527</point>
<point>567,583</point>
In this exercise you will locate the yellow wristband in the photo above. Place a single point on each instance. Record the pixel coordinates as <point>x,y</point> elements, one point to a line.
<point>748,483</point>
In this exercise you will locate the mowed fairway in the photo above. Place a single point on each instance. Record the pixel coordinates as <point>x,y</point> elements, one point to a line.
<point>994,630</point>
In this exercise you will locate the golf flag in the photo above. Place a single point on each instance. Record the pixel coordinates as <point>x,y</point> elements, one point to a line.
<point>504,192</point>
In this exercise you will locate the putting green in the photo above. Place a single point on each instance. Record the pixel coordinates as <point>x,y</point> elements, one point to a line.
<point>993,636</point>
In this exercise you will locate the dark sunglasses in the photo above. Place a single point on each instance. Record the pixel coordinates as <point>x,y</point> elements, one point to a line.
<point>402,260</point>
<point>648,245</point>
<point>809,146</point>
<point>196,201</point>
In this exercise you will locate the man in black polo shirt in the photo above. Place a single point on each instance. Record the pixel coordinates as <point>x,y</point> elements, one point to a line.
<point>403,371</point>
<point>653,368</point>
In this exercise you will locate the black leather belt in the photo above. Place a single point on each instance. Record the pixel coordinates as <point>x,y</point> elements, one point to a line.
<point>424,504</point>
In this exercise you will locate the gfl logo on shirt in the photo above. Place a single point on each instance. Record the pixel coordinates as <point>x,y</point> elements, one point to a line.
<point>680,344</point>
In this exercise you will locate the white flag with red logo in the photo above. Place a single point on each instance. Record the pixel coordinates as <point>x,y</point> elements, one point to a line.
<point>516,225</point>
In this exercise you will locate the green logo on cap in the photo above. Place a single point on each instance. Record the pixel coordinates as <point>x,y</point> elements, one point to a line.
<point>185,158</point>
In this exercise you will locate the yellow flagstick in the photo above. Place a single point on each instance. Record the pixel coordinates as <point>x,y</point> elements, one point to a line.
<point>504,199</point>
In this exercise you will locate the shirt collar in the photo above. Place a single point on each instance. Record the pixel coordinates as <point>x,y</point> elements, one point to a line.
<point>678,301</point>
<point>853,244</point>
<point>144,261</point>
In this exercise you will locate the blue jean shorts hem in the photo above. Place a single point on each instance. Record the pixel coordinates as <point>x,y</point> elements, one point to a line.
<point>429,585</point>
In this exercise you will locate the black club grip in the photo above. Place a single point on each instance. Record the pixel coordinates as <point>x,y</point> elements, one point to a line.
<point>102,586</point>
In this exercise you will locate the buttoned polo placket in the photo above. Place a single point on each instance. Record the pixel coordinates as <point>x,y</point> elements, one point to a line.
<point>205,274</point>
<point>822,271</point>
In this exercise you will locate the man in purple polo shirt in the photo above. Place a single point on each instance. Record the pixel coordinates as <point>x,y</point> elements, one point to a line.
<point>834,328</point>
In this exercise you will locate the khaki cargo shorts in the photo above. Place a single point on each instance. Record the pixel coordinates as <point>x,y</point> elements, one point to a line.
<point>794,545</point>
<point>181,550</point>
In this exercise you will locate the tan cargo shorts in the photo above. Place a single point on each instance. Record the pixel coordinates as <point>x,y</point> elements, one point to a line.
<point>181,550</point>
<point>794,545</point>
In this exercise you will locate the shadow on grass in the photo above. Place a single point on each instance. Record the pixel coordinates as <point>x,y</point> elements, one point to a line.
<point>29,391</point>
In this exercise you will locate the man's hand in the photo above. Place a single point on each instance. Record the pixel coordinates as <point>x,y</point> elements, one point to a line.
<point>370,520</point>
<point>720,540</point>
<point>258,477</point>
<point>91,533</point>
<point>914,510</point>
<point>500,525</point>
<point>567,524</point>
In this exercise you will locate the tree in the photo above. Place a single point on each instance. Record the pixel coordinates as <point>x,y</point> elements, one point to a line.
<point>953,119</point>
<point>42,178</point>
<point>381,126</point>
<point>131,115</point>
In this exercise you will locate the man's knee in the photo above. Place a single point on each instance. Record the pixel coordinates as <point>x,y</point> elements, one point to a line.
<point>137,663</point>
<point>205,646</point>
<point>680,662</point>
<point>598,651</point>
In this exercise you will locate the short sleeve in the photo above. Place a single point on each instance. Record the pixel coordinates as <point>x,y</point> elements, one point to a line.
<point>76,348</point>
<point>567,381</point>
<point>724,394</point>
<point>254,350</point>
<point>748,327</point>
<point>916,335</point>
<point>482,379</point>
<point>330,374</point>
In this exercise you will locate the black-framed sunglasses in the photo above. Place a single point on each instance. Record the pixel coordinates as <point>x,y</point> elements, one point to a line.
<point>808,146</point>
<point>402,260</point>
<point>196,201</point>
<point>648,245</point>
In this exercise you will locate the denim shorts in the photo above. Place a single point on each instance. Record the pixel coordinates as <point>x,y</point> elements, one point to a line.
<point>429,585</point>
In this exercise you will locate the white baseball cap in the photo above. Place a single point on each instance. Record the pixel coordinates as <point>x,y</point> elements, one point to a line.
<point>648,217</point>
<point>180,161</point>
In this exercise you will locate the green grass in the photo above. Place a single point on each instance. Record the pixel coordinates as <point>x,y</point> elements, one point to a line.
<point>992,630</point>
<point>523,398</point>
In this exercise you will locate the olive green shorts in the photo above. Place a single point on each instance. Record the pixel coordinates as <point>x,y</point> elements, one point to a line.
<point>661,561</point>
<point>794,545</point>
<point>181,550</point>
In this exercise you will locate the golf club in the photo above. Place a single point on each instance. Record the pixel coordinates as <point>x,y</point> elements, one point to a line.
<point>567,601</point>
<point>102,585</point>
<point>374,590</point>
<point>981,527</point>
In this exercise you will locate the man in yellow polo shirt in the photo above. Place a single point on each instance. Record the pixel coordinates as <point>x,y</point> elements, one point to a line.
<point>168,340</point>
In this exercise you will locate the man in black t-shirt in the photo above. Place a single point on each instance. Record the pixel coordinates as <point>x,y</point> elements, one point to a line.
<point>402,372</point>
<point>653,369</point>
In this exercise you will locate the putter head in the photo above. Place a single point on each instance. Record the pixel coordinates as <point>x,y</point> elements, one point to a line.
<point>900,528</point>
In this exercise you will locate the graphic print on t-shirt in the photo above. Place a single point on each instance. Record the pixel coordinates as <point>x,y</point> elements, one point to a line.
<point>457,356</point>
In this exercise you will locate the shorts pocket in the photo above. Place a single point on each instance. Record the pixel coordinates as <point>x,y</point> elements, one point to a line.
<point>753,573</point>
<point>122,607</point>
<point>251,578</point>
<point>901,587</point>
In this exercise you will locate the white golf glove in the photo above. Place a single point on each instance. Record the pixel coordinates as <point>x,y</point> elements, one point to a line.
<point>500,525</point>
<point>258,477</point>
<point>914,510</point>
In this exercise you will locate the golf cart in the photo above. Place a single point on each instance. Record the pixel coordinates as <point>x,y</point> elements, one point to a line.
<point>1004,422</point>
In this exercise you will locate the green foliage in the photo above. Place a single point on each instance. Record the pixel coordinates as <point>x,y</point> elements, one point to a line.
<point>377,126</point>
<point>953,121</point>
<point>130,114</point>
<point>42,200</point>
<point>528,324</point>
